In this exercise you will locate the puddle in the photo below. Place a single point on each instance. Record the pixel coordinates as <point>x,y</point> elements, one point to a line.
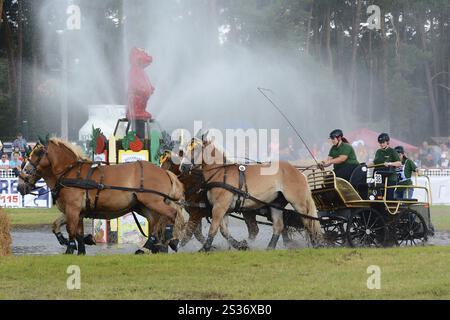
<point>41,241</point>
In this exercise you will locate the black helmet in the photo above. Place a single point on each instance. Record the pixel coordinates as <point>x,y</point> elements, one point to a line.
<point>384,137</point>
<point>336,133</point>
<point>400,149</point>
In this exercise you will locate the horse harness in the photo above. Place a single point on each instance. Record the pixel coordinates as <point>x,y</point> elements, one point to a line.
<point>88,183</point>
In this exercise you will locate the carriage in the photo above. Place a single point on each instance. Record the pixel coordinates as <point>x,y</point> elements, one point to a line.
<point>358,212</point>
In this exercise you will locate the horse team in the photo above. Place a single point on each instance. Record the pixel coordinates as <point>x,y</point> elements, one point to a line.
<point>203,186</point>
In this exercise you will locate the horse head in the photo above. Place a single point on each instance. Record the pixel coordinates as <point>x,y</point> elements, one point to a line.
<point>45,161</point>
<point>33,168</point>
<point>200,152</point>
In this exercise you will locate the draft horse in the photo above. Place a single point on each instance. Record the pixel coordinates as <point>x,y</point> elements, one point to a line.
<point>230,188</point>
<point>198,206</point>
<point>84,189</point>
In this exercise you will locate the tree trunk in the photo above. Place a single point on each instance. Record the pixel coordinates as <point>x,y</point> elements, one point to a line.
<point>370,112</point>
<point>429,84</point>
<point>1,13</point>
<point>355,32</point>
<point>328,38</point>
<point>19,64</point>
<point>385,109</point>
<point>9,45</point>
<point>308,30</point>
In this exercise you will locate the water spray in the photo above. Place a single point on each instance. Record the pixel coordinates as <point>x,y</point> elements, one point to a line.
<point>286,118</point>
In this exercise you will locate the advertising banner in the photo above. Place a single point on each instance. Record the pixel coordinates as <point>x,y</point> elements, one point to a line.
<point>11,198</point>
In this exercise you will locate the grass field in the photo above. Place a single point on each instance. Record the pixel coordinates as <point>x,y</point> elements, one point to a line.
<point>337,273</point>
<point>406,273</point>
<point>440,216</point>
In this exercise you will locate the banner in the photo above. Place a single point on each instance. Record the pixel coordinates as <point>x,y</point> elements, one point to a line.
<point>11,198</point>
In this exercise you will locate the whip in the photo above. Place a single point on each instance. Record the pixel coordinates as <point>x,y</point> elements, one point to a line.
<point>286,118</point>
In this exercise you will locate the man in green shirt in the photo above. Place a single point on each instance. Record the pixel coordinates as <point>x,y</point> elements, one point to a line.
<point>390,159</point>
<point>342,156</point>
<point>404,173</point>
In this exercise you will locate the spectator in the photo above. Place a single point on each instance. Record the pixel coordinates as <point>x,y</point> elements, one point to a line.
<point>20,143</point>
<point>4,163</point>
<point>15,162</point>
<point>1,147</point>
<point>444,161</point>
<point>428,162</point>
<point>290,152</point>
<point>424,150</point>
<point>16,149</point>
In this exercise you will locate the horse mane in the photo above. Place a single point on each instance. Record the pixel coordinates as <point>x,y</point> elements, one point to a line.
<point>76,150</point>
<point>219,149</point>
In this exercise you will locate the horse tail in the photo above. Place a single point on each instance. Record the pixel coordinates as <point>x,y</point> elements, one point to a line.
<point>177,192</point>
<point>314,225</point>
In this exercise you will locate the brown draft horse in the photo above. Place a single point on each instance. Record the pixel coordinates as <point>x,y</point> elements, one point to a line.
<point>195,195</point>
<point>59,163</point>
<point>287,181</point>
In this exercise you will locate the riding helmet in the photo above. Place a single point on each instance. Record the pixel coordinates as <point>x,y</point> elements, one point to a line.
<point>336,133</point>
<point>400,149</point>
<point>384,137</point>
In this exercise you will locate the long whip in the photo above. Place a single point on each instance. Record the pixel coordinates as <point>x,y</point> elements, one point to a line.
<point>286,118</point>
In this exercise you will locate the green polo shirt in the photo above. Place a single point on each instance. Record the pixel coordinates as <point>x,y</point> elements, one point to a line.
<point>387,155</point>
<point>344,149</point>
<point>408,168</point>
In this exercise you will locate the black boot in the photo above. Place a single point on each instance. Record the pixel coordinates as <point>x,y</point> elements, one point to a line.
<point>61,239</point>
<point>71,247</point>
<point>151,245</point>
<point>89,240</point>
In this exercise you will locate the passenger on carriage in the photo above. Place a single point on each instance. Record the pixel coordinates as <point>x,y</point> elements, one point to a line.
<point>342,155</point>
<point>404,173</point>
<point>389,158</point>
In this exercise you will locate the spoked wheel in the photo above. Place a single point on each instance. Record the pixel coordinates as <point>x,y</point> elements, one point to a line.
<point>367,228</point>
<point>410,229</point>
<point>334,232</point>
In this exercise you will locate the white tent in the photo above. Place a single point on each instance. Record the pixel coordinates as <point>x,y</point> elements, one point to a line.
<point>104,117</point>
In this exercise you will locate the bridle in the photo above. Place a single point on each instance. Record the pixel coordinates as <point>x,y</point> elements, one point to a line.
<point>34,165</point>
<point>41,151</point>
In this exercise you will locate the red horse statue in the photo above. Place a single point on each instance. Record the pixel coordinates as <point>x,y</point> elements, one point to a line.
<point>139,87</point>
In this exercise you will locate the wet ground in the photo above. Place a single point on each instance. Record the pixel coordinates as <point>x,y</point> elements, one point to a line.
<point>41,241</point>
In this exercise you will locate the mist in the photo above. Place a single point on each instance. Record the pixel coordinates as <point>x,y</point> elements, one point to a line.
<point>197,73</point>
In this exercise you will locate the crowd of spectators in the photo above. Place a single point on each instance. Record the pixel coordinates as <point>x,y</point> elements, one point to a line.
<point>12,159</point>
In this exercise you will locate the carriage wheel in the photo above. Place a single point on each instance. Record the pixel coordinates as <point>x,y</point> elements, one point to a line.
<point>410,229</point>
<point>367,228</point>
<point>334,232</point>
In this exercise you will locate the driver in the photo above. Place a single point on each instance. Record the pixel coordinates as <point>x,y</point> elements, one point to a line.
<point>342,155</point>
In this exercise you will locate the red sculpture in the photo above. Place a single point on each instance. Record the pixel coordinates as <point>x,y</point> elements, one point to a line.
<point>139,87</point>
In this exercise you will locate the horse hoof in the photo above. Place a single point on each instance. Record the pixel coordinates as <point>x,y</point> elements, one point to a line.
<point>69,251</point>
<point>89,240</point>
<point>82,253</point>
<point>139,251</point>
<point>205,250</point>
<point>243,245</point>
<point>173,244</point>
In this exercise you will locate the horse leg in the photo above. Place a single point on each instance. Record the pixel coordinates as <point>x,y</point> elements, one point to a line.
<point>152,242</point>
<point>218,212</point>
<point>252,225</point>
<point>286,239</point>
<point>80,238</point>
<point>226,234</point>
<point>193,224</point>
<point>72,218</point>
<point>56,227</point>
<point>278,226</point>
